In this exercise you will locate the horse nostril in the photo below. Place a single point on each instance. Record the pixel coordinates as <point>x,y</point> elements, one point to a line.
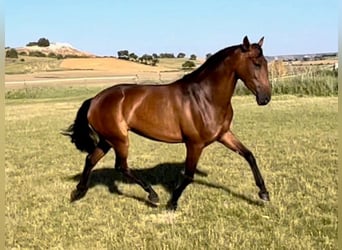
<point>266,100</point>
<point>263,100</point>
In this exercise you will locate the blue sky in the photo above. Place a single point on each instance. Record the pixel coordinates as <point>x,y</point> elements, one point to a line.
<point>193,27</point>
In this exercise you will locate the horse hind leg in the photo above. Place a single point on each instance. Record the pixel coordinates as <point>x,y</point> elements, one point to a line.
<point>92,158</point>
<point>192,156</point>
<point>121,154</point>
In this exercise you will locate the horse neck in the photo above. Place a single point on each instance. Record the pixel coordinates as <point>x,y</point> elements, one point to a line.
<point>217,77</point>
<point>219,85</point>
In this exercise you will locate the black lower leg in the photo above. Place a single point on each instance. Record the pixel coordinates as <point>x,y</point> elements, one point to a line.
<point>82,186</point>
<point>152,195</point>
<point>259,181</point>
<point>192,155</point>
<point>172,204</point>
<point>90,161</point>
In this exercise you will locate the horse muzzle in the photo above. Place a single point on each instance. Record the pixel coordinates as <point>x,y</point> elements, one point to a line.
<point>263,98</point>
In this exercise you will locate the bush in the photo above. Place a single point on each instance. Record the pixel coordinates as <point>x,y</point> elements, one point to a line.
<point>11,53</point>
<point>37,54</point>
<point>52,55</point>
<point>23,53</point>
<point>188,65</point>
<point>32,44</point>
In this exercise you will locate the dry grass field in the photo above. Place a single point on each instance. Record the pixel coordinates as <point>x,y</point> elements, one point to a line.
<point>294,140</point>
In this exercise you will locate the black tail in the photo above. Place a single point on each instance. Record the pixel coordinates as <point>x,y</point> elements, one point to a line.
<point>80,132</point>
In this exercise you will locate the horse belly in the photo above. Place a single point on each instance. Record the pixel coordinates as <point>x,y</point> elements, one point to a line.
<point>159,133</point>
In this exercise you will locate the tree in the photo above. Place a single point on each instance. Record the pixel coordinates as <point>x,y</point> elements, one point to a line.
<point>166,55</point>
<point>146,59</point>
<point>193,57</point>
<point>188,65</point>
<point>123,54</point>
<point>43,42</point>
<point>181,55</point>
<point>133,56</point>
<point>11,53</point>
<point>154,61</point>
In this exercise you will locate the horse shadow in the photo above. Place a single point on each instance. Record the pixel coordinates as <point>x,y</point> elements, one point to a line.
<point>167,175</point>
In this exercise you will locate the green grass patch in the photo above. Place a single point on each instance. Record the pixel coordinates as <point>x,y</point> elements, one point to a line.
<point>294,141</point>
<point>50,92</point>
<point>321,83</point>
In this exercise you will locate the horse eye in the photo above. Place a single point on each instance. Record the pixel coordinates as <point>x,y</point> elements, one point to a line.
<point>258,65</point>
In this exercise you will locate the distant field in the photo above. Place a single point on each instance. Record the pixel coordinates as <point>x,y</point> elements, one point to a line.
<point>295,143</point>
<point>35,71</point>
<point>29,64</point>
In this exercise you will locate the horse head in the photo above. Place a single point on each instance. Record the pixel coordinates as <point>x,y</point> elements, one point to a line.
<point>251,68</point>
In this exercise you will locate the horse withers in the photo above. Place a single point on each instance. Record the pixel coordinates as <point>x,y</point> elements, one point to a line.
<point>195,110</point>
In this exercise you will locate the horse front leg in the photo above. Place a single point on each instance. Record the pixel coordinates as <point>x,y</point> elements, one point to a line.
<point>230,141</point>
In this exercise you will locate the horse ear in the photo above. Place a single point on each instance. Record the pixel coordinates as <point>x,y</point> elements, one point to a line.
<point>261,41</point>
<point>246,43</point>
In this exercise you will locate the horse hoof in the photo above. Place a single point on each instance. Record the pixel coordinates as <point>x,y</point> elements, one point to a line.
<point>153,198</point>
<point>264,196</point>
<point>77,194</point>
<point>171,206</point>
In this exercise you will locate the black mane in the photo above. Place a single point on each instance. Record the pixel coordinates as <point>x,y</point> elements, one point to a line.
<point>215,60</point>
<point>212,62</point>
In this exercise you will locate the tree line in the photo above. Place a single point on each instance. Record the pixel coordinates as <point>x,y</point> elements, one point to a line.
<point>154,58</point>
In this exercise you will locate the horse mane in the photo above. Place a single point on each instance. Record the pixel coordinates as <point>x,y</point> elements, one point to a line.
<point>215,60</point>
<point>212,62</point>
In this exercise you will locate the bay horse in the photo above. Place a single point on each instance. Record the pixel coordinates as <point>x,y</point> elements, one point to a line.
<point>195,110</point>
